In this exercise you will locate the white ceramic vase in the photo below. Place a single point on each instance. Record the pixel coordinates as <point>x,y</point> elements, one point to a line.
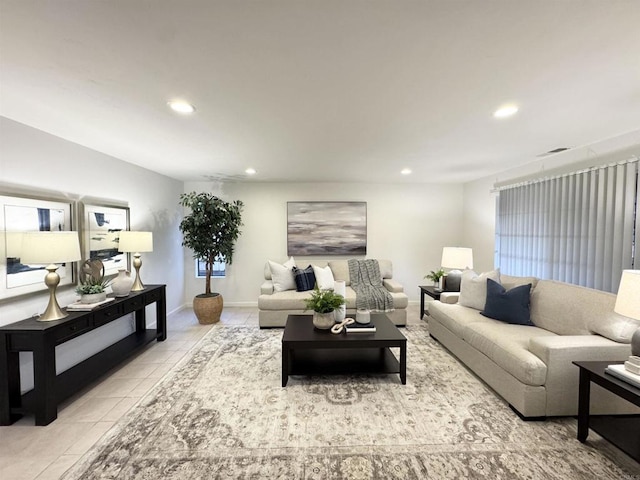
<point>340,288</point>
<point>121,285</point>
<point>324,321</point>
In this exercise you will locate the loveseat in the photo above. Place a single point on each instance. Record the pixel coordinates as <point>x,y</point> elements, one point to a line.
<point>530,366</point>
<point>275,306</point>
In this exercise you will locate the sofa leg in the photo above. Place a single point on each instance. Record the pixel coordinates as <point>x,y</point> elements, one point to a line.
<point>527,419</point>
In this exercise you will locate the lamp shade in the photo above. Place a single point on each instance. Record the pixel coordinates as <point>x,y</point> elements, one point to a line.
<point>135,242</point>
<point>628,300</point>
<point>49,247</point>
<point>457,257</point>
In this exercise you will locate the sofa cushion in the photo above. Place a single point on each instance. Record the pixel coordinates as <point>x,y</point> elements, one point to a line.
<point>568,309</point>
<point>282,275</point>
<point>511,306</point>
<point>455,317</point>
<point>324,277</point>
<point>508,347</point>
<point>305,279</point>
<point>615,327</point>
<point>386,268</point>
<point>473,288</point>
<point>340,270</point>
<point>509,282</point>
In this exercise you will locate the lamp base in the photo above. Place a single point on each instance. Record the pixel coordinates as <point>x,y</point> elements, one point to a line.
<point>635,343</point>
<point>137,284</point>
<point>452,281</point>
<point>53,310</point>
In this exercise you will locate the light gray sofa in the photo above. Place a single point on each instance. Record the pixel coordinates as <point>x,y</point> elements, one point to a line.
<point>274,307</point>
<point>531,366</point>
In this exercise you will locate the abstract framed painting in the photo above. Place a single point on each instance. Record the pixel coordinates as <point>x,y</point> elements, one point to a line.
<point>101,227</point>
<point>29,214</point>
<point>326,228</point>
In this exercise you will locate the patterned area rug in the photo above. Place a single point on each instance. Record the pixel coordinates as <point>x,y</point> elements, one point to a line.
<point>223,414</point>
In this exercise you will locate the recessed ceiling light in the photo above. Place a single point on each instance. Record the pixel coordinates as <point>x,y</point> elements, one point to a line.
<point>250,171</point>
<point>181,106</point>
<point>505,111</point>
<point>406,171</point>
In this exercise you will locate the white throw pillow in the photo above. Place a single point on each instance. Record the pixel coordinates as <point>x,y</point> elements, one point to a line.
<point>282,275</point>
<point>324,277</point>
<point>473,288</point>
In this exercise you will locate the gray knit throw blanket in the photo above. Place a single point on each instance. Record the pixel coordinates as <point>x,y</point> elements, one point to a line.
<point>367,283</point>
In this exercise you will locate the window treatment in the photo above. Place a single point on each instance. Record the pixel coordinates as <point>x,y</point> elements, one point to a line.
<point>580,228</point>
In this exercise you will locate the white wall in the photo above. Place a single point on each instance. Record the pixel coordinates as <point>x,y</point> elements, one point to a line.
<point>36,161</point>
<point>480,203</point>
<point>408,224</point>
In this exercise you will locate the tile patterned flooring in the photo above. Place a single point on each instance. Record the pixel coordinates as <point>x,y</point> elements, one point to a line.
<point>28,452</point>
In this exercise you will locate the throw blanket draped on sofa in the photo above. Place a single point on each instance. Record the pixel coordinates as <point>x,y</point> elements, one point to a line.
<point>367,283</point>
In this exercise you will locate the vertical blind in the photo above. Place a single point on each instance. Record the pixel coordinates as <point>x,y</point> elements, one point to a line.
<point>580,228</point>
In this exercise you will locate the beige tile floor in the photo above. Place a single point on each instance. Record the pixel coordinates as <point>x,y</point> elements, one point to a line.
<point>28,452</point>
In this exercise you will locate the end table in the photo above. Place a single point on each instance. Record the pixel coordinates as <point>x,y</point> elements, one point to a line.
<point>433,292</point>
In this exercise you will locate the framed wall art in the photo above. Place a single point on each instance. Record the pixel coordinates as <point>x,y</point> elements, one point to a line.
<point>101,227</point>
<point>326,228</point>
<point>26,214</point>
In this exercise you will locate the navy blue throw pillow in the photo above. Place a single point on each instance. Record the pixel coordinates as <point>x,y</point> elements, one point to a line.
<point>305,279</point>
<point>510,306</point>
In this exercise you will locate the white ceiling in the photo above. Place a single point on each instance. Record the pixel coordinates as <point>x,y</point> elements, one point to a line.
<point>323,90</point>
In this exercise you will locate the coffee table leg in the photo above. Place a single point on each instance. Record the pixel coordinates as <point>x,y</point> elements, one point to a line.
<point>583,404</point>
<point>285,365</point>
<point>403,364</point>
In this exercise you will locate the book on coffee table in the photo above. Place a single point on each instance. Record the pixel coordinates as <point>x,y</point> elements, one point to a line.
<point>361,328</point>
<point>623,374</point>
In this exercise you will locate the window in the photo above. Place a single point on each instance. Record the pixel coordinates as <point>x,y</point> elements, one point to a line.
<point>579,228</point>
<point>219,268</point>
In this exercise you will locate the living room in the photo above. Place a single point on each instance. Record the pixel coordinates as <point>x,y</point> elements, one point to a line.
<point>409,218</point>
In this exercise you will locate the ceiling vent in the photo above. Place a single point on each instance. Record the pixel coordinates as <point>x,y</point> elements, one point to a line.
<point>223,177</point>
<point>552,152</point>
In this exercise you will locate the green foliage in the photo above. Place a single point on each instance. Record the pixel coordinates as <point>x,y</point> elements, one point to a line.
<point>324,301</point>
<point>211,229</point>
<point>435,276</point>
<point>92,285</point>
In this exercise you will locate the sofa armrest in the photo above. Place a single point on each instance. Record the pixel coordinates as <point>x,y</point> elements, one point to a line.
<point>266,288</point>
<point>449,297</point>
<point>393,286</point>
<point>561,384</point>
<point>562,349</point>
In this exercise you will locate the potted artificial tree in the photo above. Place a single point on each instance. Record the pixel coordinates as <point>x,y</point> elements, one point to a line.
<point>324,303</point>
<point>210,230</point>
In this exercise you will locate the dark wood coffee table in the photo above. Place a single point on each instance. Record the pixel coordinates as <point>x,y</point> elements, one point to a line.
<point>309,351</point>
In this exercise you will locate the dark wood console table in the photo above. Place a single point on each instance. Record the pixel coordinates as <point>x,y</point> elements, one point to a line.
<point>41,338</point>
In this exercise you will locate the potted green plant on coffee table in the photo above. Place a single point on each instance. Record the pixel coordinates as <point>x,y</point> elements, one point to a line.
<point>324,303</point>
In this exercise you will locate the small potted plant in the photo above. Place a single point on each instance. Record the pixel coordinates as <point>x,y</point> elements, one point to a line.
<point>324,303</point>
<point>92,290</point>
<point>435,277</point>
<point>92,284</point>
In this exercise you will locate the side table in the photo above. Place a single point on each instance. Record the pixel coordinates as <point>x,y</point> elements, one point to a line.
<point>621,430</point>
<point>432,292</point>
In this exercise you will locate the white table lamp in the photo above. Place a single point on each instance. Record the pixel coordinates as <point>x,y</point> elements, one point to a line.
<point>628,303</point>
<point>456,258</point>
<point>136,242</point>
<point>50,248</point>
